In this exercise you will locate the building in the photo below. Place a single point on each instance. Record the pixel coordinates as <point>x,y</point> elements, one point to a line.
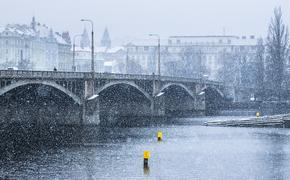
<point>34,47</point>
<point>191,56</point>
<point>111,60</point>
<point>106,58</point>
<point>83,55</point>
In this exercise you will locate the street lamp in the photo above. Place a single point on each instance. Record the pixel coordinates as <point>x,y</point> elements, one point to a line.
<point>92,63</point>
<point>74,51</point>
<point>158,65</point>
<point>92,48</point>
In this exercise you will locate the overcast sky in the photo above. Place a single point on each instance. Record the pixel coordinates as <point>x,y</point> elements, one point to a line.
<point>129,19</point>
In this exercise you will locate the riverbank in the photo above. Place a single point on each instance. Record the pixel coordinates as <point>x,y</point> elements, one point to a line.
<point>280,121</point>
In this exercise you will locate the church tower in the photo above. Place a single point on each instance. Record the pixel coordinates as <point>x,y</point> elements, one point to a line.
<point>85,40</point>
<point>106,40</point>
<point>33,24</point>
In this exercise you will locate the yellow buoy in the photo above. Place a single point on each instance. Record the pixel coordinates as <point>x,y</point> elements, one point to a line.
<point>146,156</point>
<point>159,136</point>
<point>257,114</point>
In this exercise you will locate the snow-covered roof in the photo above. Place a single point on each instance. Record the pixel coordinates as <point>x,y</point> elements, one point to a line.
<point>18,29</point>
<point>59,39</point>
<point>108,63</point>
<point>213,40</point>
<point>100,49</point>
<point>85,49</point>
<point>38,30</point>
<point>207,40</point>
<point>147,42</point>
<point>115,49</point>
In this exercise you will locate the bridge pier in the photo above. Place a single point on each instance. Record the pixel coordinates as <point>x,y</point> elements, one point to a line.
<point>91,112</point>
<point>90,108</point>
<point>158,106</point>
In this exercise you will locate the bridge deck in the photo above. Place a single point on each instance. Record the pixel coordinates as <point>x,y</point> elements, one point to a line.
<point>87,75</point>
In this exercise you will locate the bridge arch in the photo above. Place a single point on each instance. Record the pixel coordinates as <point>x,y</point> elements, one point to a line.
<point>214,100</point>
<point>47,83</point>
<point>214,89</point>
<point>132,84</point>
<point>178,85</point>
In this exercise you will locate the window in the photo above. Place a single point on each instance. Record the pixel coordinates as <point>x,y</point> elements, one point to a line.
<point>178,41</point>
<point>146,48</point>
<point>229,41</point>
<point>220,41</point>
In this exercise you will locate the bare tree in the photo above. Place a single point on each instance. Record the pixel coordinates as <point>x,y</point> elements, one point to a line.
<point>230,71</point>
<point>260,70</point>
<point>277,47</point>
<point>192,62</point>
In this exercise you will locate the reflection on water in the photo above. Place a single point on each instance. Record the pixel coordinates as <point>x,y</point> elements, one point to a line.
<point>188,151</point>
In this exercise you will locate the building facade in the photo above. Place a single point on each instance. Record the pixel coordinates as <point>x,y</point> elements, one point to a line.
<point>192,56</point>
<point>106,58</point>
<point>34,47</point>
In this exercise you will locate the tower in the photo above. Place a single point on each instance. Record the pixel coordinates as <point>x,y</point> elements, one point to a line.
<point>33,24</point>
<point>106,40</point>
<point>85,41</point>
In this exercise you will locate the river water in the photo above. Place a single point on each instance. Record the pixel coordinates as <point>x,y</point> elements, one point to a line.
<point>188,151</point>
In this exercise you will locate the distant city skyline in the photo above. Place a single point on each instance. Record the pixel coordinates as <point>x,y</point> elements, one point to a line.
<point>130,19</point>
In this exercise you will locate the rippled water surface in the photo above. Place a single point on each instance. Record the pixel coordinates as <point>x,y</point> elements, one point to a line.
<point>188,151</point>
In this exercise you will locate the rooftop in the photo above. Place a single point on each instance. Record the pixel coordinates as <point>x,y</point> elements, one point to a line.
<point>34,30</point>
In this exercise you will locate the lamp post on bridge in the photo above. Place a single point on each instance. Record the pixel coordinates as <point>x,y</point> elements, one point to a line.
<point>158,49</point>
<point>74,51</point>
<point>92,50</point>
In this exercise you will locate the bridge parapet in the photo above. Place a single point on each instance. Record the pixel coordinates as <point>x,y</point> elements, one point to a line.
<point>88,75</point>
<point>41,74</point>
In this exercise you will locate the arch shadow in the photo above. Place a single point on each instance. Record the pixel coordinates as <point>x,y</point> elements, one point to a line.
<point>213,89</point>
<point>106,86</point>
<point>214,100</point>
<point>178,85</point>
<point>47,83</point>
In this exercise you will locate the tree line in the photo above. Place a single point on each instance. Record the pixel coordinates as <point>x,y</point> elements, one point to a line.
<point>268,72</point>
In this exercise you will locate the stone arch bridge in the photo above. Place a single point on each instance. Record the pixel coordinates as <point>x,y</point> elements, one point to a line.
<point>113,94</point>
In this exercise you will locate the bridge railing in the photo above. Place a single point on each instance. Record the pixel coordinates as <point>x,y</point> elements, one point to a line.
<point>88,75</point>
<point>123,76</point>
<point>41,74</point>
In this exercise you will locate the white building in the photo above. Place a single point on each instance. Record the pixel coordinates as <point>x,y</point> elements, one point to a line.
<point>106,58</point>
<point>34,47</point>
<point>111,60</point>
<point>189,55</point>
